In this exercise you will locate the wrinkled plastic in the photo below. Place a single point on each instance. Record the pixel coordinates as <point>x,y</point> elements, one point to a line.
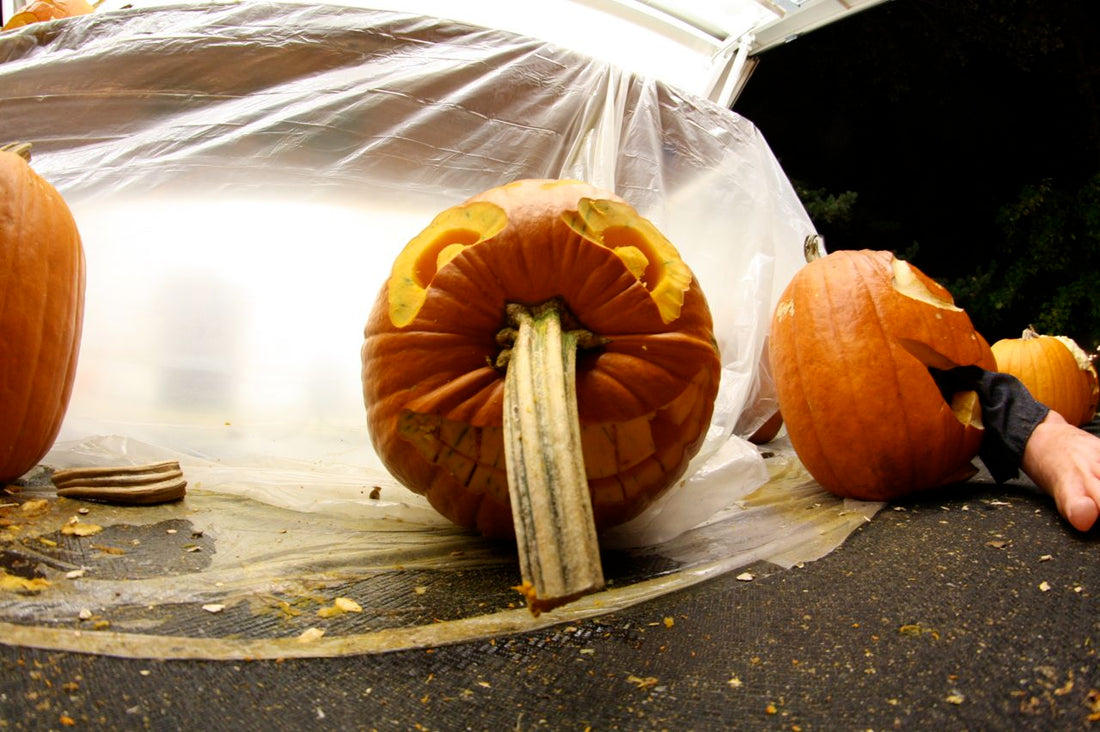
<point>243,176</point>
<point>232,574</point>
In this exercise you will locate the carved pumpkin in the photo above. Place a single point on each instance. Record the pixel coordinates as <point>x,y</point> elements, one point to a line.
<point>852,340</point>
<point>434,393</point>
<point>41,313</point>
<point>645,365</point>
<point>41,10</point>
<point>1054,369</point>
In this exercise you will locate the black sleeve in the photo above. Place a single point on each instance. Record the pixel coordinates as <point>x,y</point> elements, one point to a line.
<point>1009,414</point>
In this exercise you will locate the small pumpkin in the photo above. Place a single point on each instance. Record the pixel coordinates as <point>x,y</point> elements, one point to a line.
<point>767,431</point>
<point>1055,370</point>
<point>763,407</point>
<point>442,338</point>
<point>41,10</point>
<point>853,337</point>
<point>41,312</point>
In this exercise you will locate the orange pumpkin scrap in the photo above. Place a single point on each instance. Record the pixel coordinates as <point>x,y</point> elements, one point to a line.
<point>1055,370</point>
<point>852,340</point>
<point>647,369</point>
<point>41,313</point>
<point>41,10</point>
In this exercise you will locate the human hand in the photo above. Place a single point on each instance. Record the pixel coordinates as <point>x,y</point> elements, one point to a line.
<point>1064,461</point>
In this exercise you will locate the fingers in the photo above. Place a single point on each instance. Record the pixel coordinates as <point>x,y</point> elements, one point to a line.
<point>1064,461</point>
<point>1081,511</point>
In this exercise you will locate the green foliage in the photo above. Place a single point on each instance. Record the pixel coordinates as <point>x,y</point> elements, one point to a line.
<point>1045,270</point>
<point>827,208</point>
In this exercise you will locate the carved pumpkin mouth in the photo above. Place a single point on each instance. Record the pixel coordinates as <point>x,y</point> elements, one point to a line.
<point>917,285</point>
<point>914,284</point>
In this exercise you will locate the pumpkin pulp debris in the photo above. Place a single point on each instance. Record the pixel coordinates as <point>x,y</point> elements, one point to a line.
<point>623,329</point>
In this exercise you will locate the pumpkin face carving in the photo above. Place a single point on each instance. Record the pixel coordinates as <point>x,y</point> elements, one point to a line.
<point>647,368</point>
<point>852,341</point>
<point>41,313</point>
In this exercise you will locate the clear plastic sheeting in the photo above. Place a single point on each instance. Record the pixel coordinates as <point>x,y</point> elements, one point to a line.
<point>243,176</point>
<point>228,574</point>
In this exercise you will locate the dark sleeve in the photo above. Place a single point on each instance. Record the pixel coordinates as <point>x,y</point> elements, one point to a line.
<point>1009,414</point>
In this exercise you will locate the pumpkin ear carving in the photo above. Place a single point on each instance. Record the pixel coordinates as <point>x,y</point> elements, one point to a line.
<point>429,251</point>
<point>649,256</point>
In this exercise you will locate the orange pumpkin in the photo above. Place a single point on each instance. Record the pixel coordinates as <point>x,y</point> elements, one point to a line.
<point>646,373</point>
<point>41,10</point>
<point>1055,370</point>
<point>852,340</point>
<point>41,313</point>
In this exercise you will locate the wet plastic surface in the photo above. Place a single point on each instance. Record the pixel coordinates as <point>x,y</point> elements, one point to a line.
<point>222,576</point>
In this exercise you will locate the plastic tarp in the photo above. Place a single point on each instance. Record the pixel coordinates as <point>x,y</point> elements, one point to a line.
<point>243,176</point>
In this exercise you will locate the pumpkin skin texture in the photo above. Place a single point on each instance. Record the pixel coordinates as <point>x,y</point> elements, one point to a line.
<point>434,395</point>
<point>1054,369</point>
<point>41,10</point>
<point>852,339</point>
<point>41,314</point>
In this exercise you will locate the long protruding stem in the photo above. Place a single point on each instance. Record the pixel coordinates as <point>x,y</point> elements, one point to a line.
<point>551,505</point>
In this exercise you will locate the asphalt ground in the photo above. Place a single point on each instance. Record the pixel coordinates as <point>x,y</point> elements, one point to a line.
<point>975,607</point>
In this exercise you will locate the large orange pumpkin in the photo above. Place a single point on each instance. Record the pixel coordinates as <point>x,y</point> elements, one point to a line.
<point>433,385</point>
<point>852,341</point>
<point>41,313</point>
<point>1055,370</point>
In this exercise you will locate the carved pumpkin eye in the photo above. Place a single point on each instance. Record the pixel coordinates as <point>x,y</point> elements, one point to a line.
<point>919,286</point>
<point>649,256</point>
<point>429,251</point>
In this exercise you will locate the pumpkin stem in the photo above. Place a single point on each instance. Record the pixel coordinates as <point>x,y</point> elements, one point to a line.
<point>813,247</point>
<point>551,504</point>
<point>22,149</point>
